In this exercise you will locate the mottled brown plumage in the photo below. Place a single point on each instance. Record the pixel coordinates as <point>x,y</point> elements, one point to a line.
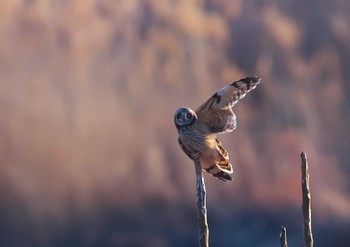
<point>198,130</point>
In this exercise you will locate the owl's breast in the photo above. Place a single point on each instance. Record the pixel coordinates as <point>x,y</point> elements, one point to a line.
<point>192,139</point>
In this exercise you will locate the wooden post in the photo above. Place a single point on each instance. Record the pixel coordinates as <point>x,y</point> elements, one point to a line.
<point>283,237</point>
<point>306,206</point>
<point>203,231</point>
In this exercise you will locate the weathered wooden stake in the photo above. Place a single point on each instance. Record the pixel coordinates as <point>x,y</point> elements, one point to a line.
<point>283,237</point>
<point>306,206</point>
<point>203,230</point>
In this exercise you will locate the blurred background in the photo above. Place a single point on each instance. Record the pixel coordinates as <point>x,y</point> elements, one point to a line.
<point>88,148</point>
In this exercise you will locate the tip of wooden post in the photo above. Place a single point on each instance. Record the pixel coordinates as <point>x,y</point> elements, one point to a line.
<point>283,237</point>
<point>303,155</point>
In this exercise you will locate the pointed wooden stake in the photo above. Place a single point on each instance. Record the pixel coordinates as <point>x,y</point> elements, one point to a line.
<point>283,237</point>
<point>203,230</point>
<point>306,207</point>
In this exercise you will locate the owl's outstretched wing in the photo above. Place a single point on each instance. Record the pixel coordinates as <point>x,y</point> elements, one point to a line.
<point>216,113</point>
<point>229,95</point>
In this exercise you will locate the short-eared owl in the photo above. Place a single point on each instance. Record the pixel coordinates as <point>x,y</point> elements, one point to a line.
<point>198,129</point>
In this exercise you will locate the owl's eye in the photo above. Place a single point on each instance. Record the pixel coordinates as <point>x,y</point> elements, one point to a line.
<point>178,116</point>
<point>188,115</point>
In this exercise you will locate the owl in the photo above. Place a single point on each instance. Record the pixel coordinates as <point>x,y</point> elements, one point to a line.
<point>198,129</point>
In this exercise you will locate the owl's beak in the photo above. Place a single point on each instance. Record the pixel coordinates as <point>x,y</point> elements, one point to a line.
<point>182,117</point>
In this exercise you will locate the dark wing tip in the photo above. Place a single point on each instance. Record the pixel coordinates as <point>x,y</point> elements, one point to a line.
<point>223,176</point>
<point>227,177</point>
<point>252,80</point>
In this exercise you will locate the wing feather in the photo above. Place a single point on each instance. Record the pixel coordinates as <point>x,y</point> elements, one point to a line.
<point>216,113</point>
<point>220,167</point>
<point>229,95</point>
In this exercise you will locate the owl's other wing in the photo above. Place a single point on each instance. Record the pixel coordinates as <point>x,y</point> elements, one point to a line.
<point>216,113</point>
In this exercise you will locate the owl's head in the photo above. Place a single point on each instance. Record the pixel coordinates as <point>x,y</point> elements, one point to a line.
<point>184,117</point>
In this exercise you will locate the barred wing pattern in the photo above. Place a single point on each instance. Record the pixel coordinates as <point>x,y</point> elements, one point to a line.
<point>216,113</point>
<point>229,95</point>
